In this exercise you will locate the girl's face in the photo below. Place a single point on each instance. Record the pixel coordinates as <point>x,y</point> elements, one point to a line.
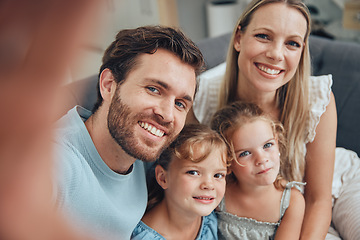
<point>270,48</point>
<point>257,151</point>
<point>195,189</point>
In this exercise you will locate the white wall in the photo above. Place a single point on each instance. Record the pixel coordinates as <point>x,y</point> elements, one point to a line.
<point>192,18</point>
<point>113,16</point>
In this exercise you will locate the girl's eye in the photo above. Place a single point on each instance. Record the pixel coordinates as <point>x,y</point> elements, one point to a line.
<point>268,145</point>
<point>219,175</point>
<point>262,36</point>
<point>152,89</point>
<point>294,44</point>
<point>193,172</point>
<point>244,154</point>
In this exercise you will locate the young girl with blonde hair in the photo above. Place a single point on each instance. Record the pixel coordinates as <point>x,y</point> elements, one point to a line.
<point>188,185</point>
<point>258,202</point>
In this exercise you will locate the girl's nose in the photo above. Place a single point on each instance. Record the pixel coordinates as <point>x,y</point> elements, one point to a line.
<point>207,184</point>
<point>261,159</point>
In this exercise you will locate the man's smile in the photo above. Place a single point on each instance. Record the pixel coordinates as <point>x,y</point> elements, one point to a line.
<point>151,129</point>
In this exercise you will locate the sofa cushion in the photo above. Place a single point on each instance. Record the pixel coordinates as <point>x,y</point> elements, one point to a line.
<point>342,60</point>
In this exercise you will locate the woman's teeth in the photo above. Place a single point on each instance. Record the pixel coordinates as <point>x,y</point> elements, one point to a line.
<point>151,129</point>
<point>268,70</point>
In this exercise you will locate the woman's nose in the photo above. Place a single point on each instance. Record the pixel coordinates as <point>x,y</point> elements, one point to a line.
<point>276,52</point>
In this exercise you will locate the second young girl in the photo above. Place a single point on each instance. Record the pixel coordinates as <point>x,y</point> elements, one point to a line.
<point>258,203</point>
<point>190,183</point>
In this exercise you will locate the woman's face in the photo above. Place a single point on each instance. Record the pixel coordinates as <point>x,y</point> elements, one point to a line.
<point>270,48</point>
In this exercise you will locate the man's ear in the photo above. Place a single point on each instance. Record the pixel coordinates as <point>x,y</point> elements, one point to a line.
<point>107,85</point>
<point>161,176</point>
<point>237,39</point>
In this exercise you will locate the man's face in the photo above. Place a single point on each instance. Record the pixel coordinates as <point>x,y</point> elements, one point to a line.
<point>149,109</point>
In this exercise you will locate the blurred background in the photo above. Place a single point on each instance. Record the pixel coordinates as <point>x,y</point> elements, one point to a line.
<point>199,19</point>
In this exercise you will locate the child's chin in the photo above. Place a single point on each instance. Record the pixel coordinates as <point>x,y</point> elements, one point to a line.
<point>206,213</point>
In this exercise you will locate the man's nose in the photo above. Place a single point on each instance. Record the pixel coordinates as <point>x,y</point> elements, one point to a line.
<point>165,110</point>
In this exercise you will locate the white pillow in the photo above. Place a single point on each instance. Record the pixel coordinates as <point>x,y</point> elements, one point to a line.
<point>206,99</point>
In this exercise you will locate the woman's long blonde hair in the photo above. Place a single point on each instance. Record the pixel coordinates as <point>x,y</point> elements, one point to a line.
<point>292,98</point>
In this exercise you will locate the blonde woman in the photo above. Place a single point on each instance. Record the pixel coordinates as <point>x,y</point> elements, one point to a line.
<point>268,63</point>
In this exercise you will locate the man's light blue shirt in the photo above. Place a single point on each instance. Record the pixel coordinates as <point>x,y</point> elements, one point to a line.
<point>105,204</point>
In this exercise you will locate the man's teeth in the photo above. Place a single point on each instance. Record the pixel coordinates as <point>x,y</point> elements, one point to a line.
<point>268,70</point>
<point>151,129</point>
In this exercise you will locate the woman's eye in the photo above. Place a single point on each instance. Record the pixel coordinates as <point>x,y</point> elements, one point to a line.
<point>244,154</point>
<point>268,145</point>
<point>219,175</point>
<point>193,172</point>
<point>294,44</point>
<point>262,36</point>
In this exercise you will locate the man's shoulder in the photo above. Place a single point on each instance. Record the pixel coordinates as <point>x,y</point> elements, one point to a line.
<point>70,129</point>
<point>74,118</point>
<point>71,142</point>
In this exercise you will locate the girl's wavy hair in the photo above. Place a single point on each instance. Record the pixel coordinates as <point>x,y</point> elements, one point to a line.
<point>231,117</point>
<point>122,55</point>
<point>292,98</point>
<point>194,143</point>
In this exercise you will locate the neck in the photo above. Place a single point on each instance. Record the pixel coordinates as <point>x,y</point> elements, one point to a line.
<point>249,190</point>
<point>265,100</point>
<point>172,224</point>
<point>110,152</point>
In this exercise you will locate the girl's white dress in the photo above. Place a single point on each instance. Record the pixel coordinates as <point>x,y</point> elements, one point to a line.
<point>235,227</point>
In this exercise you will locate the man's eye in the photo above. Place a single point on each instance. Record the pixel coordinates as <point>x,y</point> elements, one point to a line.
<point>219,175</point>
<point>193,172</point>
<point>243,154</point>
<point>180,104</point>
<point>268,145</point>
<point>152,89</point>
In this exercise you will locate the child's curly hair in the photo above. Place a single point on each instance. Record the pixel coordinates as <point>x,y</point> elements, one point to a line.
<point>194,143</point>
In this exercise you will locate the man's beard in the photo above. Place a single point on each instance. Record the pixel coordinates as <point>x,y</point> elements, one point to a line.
<point>121,124</point>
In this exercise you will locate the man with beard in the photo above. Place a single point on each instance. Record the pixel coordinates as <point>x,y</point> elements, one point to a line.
<point>146,87</point>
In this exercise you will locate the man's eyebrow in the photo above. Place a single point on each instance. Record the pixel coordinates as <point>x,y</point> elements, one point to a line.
<point>167,87</point>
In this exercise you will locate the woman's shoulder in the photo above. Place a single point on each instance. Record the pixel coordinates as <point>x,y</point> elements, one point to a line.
<point>320,88</point>
<point>206,98</point>
<point>319,99</point>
